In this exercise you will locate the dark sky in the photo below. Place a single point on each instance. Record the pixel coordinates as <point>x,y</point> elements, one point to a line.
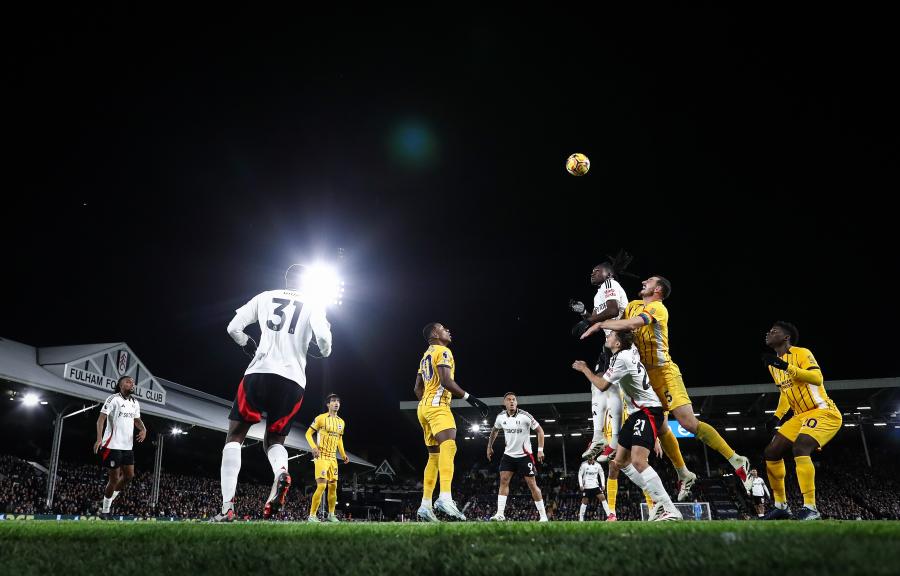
<point>172,167</point>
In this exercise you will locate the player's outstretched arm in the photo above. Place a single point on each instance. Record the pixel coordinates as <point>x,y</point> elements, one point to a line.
<point>611,311</point>
<point>629,324</point>
<point>243,317</point>
<point>490,445</point>
<point>142,429</point>
<point>595,379</point>
<point>311,441</point>
<point>448,383</point>
<point>419,388</point>
<point>341,450</point>
<point>101,422</point>
<point>321,330</point>
<point>540,439</point>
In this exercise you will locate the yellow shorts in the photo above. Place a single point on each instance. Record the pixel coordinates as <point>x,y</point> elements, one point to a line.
<point>668,385</point>
<point>326,469</point>
<point>822,424</point>
<point>434,420</point>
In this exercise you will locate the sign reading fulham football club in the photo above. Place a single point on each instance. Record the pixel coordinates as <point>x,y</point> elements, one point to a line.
<point>105,368</point>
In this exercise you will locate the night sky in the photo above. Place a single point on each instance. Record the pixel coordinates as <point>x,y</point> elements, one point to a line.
<point>163,170</point>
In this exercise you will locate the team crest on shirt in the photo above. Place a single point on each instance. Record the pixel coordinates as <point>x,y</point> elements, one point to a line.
<point>122,362</point>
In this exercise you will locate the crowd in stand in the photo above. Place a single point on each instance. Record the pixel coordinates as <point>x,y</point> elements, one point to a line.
<point>846,488</point>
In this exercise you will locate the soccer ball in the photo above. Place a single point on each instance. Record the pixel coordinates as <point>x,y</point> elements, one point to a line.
<point>578,164</point>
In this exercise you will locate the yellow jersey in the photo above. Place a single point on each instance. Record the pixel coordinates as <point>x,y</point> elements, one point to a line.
<point>651,339</point>
<point>800,396</point>
<point>330,432</point>
<point>436,356</point>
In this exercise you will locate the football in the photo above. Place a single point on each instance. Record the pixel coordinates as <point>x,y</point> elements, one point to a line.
<point>578,164</point>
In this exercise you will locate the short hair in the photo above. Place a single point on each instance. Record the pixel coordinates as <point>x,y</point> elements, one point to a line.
<point>428,329</point>
<point>331,397</point>
<point>666,286</point>
<point>509,394</point>
<point>118,387</point>
<point>626,337</point>
<point>791,330</point>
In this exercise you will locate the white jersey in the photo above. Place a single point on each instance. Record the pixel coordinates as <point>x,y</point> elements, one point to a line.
<point>610,290</point>
<point>591,476</point>
<point>626,370</point>
<point>120,416</point>
<point>516,432</point>
<point>759,488</point>
<point>287,324</point>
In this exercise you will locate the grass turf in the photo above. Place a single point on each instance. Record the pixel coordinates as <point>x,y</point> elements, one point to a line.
<point>761,548</point>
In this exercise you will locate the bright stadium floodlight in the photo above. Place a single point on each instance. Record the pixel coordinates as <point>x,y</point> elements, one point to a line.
<point>321,284</point>
<point>863,407</point>
<point>176,430</point>
<point>474,428</point>
<point>730,429</point>
<point>732,413</point>
<point>881,424</point>
<point>770,411</point>
<point>31,399</point>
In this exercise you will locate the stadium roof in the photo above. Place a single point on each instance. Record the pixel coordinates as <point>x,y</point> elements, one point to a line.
<point>741,407</point>
<point>76,371</point>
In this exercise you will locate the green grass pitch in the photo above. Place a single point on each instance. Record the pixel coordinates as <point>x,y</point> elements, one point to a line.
<point>561,548</point>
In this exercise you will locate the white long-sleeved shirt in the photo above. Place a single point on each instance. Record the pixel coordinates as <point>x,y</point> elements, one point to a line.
<point>287,324</point>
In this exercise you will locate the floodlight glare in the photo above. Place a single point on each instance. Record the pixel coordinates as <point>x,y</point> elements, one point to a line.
<point>31,399</point>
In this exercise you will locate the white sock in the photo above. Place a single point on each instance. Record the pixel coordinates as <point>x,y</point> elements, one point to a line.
<point>115,493</point>
<point>736,461</point>
<point>231,467</point>
<point>278,458</point>
<point>107,502</point>
<point>606,507</point>
<point>634,476</point>
<point>581,512</point>
<point>614,405</point>
<point>811,507</point>
<point>539,504</point>
<point>426,502</point>
<point>683,473</point>
<point>596,414</point>
<point>655,487</point>
<point>445,496</point>
<point>781,505</point>
<point>501,504</point>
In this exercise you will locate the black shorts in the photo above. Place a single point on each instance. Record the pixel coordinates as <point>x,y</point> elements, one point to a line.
<point>111,458</point>
<point>590,493</point>
<point>758,500</point>
<point>275,395</point>
<point>523,465</point>
<point>641,428</point>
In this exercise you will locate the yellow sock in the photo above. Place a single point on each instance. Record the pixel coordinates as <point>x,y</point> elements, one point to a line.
<point>445,464</point>
<point>708,435</point>
<point>431,475</point>
<point>612,489</point>
<point>806,477</point>
<point>775,471</point>
<point>649,500</point>
<point>332,496</point>
<point>672,450</point>
<point>317,498</point>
